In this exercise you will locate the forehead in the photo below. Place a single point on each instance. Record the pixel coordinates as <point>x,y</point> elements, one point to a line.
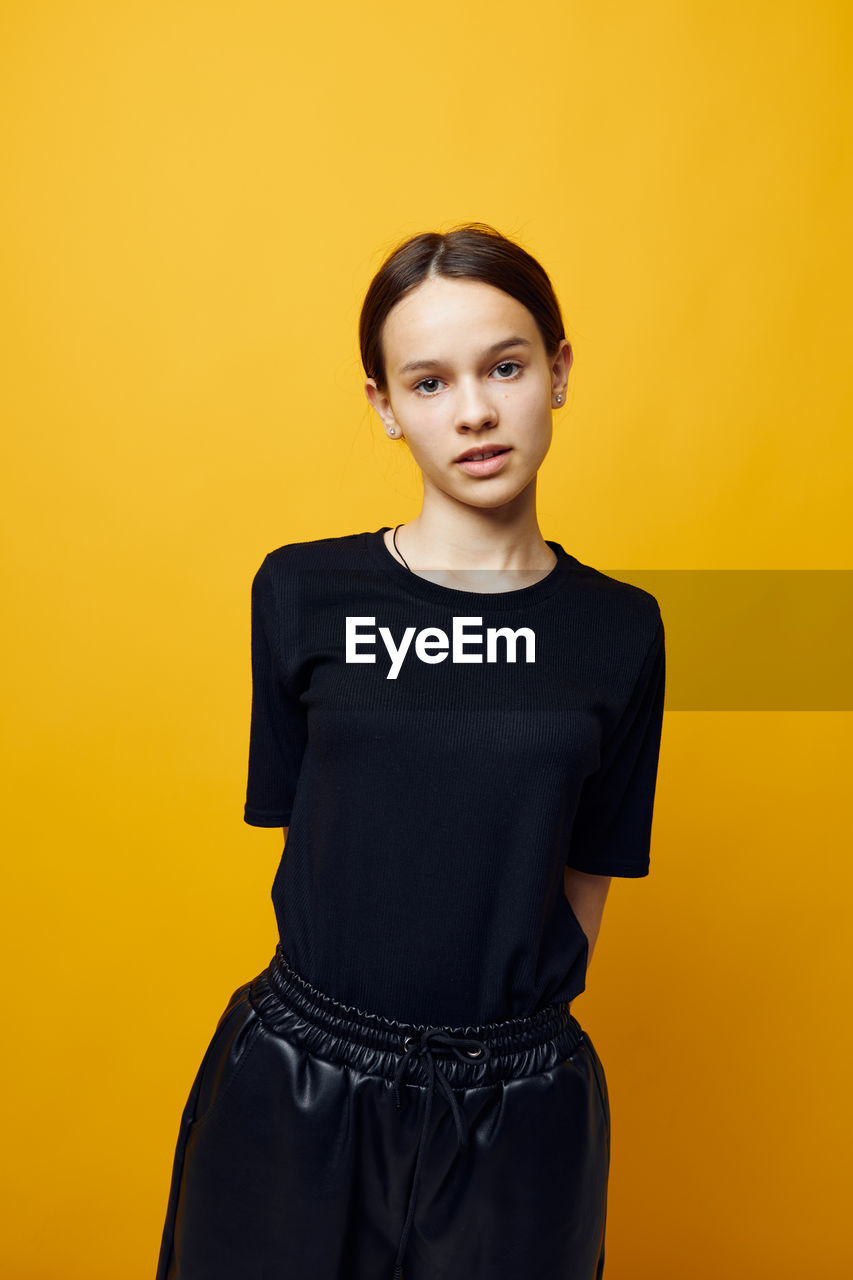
<point>443,317</point>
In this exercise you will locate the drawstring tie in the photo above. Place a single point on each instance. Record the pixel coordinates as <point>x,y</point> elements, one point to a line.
<point>421,1046</point>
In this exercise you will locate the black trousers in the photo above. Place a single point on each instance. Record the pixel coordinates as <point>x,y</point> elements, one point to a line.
<point>324,1142</point>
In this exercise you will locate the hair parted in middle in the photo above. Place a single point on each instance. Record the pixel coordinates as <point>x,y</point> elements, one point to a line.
<point>469,251</point>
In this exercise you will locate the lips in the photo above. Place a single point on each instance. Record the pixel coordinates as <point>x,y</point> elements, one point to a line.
<point>481,466</point>
<point>479,454</point>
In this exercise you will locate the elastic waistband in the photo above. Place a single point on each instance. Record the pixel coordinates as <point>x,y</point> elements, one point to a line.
<point>287,1004</point>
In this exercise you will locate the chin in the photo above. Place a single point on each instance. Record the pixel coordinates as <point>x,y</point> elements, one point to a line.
<point>496,496</point>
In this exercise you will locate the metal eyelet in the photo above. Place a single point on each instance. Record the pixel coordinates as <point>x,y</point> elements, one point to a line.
<point>408,1040</point>
<point>474,1053</point>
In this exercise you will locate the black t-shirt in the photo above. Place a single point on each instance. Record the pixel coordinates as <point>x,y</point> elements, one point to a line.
<point>433,800</point>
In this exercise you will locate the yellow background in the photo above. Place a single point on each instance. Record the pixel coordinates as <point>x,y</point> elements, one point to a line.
<point>197,195</point>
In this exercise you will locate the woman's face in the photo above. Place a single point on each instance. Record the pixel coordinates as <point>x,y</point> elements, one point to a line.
<point>466,369</point>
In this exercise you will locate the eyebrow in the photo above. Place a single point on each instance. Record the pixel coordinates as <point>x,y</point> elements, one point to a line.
<point>516,341</point>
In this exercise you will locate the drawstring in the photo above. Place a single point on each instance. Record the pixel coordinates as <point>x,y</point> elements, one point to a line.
<point>417,1047</point>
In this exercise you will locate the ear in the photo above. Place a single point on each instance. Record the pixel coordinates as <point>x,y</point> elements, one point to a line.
<point>381,403</point>
<point>561,366</point>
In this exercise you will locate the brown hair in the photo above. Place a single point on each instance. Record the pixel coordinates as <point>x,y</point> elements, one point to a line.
<point>473,251</point>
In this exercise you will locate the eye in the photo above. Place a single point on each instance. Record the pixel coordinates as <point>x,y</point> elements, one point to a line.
<point>508,364</point>
<point>422,382</point>
<point>423,387</point>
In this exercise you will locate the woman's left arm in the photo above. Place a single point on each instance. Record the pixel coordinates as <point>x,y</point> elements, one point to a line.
<point>586,894</point>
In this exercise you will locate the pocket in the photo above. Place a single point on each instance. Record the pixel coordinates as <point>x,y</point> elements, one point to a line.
<point>600,1079</point>
<point>230,1045</point>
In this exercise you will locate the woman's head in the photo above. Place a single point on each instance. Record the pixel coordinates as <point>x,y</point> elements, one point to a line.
<point>472,251</point>
<point>463,343</point>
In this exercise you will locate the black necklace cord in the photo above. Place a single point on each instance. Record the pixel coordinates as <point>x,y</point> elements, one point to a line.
<point>399,552</point>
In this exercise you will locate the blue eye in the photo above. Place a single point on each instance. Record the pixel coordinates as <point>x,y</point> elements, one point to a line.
<point>505,364</point>
<point>418,385</point>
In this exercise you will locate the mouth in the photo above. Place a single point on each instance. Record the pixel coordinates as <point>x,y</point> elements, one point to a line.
<point>479,455</point>
<point>484,462</point>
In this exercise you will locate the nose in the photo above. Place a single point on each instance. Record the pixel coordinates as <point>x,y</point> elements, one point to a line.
<point>475,406</point>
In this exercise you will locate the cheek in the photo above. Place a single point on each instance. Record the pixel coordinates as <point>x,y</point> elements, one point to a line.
<point>527,394</point>
<point>423,442</point>
<point>533,395</point>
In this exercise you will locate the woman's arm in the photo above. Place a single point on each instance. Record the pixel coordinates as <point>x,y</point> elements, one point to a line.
<point>586,894</point>
<point>285,830</point>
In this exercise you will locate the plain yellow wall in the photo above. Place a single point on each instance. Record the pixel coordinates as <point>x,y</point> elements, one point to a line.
<point>197,195</point>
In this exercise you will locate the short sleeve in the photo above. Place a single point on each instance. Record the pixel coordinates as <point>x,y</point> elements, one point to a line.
<point>278,728</point>
<point>611,835</point>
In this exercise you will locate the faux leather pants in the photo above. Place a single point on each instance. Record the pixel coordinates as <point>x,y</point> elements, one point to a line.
<point>323,1142</point>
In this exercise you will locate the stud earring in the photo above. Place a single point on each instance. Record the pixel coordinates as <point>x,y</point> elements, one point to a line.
<point>559,399</point>
<point>392,431</point>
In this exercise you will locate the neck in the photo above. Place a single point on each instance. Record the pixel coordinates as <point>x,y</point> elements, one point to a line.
<point>475,540</point>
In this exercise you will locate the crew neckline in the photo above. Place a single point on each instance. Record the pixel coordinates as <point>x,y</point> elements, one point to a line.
<point>412,582</point>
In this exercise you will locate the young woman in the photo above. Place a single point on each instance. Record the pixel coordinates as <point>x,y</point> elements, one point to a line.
<point>457,725</point>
